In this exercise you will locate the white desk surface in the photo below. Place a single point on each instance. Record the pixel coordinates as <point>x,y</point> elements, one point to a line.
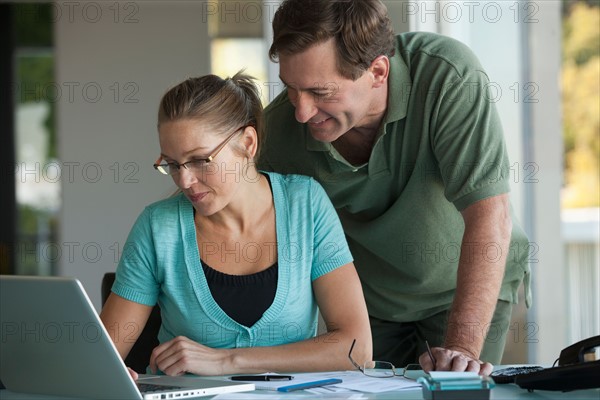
<point>500,392</point>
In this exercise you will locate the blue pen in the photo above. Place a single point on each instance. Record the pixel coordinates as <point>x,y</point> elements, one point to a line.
<point>308,385</point>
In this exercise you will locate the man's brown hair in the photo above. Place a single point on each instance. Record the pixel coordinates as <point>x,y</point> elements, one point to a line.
<point>361,28</point>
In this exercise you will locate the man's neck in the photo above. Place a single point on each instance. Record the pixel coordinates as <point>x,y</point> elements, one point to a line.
<point>356,144</point>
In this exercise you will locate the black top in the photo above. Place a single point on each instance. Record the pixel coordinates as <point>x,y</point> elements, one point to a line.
<point>244,298</point>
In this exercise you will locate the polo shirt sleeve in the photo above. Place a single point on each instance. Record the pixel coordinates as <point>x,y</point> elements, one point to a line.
<point>468,142</point>
<point>330,247</point>
<point>135,278</point>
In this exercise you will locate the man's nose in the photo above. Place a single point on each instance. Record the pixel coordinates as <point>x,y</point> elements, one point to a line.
<point>305,107</point>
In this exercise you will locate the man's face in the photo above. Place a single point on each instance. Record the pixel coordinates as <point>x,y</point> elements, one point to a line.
<point>330,104</point>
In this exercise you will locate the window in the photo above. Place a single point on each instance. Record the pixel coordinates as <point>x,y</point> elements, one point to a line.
<point>236,32</point>
<point>37,171</point>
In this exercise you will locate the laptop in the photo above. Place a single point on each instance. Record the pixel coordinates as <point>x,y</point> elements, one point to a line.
<point>53,342</point>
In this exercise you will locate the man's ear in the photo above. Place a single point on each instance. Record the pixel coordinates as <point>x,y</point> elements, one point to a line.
<point>380,70</point>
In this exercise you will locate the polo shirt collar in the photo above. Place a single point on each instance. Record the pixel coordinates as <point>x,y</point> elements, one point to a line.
<point>312,143</point>
<point>399,86</point>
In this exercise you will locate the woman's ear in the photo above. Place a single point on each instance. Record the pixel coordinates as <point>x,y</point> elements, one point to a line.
<point>250,141</point>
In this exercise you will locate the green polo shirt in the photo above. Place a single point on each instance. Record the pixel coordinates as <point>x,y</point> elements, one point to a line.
<point>439,149</point>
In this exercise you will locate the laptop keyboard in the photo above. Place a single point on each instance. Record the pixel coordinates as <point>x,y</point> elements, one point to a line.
<point>150,388</point>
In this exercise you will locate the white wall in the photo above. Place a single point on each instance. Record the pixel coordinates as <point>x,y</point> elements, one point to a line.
<point>131,52</point>
<point>550,287</point>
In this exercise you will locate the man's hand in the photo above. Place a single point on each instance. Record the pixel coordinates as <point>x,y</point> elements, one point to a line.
<point>453,360</point>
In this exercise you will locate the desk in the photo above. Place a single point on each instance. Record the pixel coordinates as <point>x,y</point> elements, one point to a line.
<point>500,392</point>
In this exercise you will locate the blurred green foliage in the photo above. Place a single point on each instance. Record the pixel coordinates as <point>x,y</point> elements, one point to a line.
<point>35,61</point>
<point>35,82</point>
<point>33,24</point>
<point>581,103</point>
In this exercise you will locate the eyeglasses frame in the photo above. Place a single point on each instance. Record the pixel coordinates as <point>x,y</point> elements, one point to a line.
<point>362,369</point>
<point>161,167</point>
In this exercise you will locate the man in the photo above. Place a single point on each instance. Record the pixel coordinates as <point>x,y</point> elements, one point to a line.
<point>402,135</point>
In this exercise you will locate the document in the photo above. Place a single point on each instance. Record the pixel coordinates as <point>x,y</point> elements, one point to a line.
<point>357,381</point>
<point>352,381</point>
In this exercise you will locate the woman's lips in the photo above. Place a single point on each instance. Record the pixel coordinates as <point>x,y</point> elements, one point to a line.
<point>194,198</point>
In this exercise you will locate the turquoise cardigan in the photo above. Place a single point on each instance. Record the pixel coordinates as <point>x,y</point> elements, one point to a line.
<point>161,264</point>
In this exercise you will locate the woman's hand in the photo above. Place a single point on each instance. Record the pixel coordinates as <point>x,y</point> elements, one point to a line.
<point>133,374</point>
<point>182,355</point>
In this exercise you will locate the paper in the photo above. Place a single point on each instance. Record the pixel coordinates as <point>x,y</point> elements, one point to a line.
<point>282,396</point>
<point>351,381</point>
<point>356,380</point>
<point>451,375</point>
<point>252,396</point>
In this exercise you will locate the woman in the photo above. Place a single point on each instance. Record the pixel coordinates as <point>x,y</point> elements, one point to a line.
<point>238,260</point>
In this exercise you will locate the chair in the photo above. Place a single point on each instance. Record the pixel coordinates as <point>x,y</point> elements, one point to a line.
<point>139,356</point>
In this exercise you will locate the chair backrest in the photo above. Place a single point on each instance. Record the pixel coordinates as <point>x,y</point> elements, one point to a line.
<point>139,356</point>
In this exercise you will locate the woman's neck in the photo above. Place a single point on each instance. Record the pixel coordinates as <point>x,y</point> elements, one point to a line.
<point>252,203</point>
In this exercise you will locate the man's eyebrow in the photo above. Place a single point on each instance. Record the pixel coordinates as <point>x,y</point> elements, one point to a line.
<point>313,89</point>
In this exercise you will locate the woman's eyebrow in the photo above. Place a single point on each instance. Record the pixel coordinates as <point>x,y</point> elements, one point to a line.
<point>201,148</point>
<point>186,153</point>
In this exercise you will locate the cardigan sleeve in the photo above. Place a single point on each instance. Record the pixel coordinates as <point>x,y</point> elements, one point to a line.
<point>329,242</point>
<point>136,273</point>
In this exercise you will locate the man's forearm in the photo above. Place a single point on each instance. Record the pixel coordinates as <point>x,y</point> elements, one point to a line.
<point>484,252</point>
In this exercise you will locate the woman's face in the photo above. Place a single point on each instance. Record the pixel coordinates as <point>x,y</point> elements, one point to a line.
<point>211,186</point>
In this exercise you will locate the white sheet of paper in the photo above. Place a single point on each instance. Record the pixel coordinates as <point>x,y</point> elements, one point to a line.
<point>444,375</point>
<point>352,381</point>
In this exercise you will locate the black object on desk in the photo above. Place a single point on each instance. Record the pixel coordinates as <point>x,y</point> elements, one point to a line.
<point>566,378</point>
<point>509,374</point>
<point>578,368</point>
<point>262,378</point>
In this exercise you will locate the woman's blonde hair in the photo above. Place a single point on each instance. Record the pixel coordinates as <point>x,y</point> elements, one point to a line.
<point>224,104</point>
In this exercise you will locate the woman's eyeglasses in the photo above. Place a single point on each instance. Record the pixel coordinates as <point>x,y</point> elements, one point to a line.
<point>375,369</point>
<point>384,369</point>
<point>196,166</point>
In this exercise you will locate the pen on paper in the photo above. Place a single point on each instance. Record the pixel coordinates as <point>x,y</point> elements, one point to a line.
<point>262,378</point>
<point>430,354</point>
